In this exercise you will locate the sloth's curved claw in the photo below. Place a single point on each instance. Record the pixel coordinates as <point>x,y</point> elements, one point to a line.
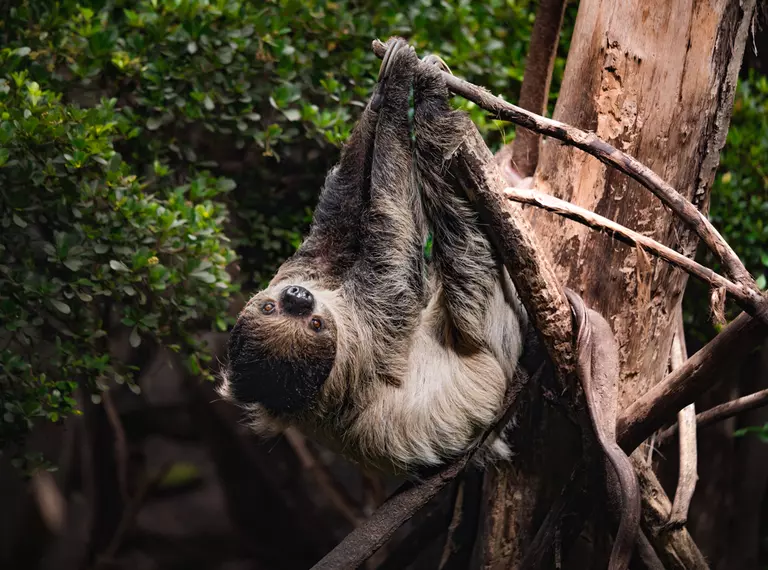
<point>434,59</point>
<point>388,59</point>
<point>393,47</point>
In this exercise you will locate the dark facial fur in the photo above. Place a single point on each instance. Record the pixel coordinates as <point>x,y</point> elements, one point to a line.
<point>277,357</point>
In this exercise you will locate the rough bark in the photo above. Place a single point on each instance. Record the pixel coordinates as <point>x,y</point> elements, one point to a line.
<point>655,79</point>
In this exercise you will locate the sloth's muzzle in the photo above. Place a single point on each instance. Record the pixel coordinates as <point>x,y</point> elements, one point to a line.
<point>282,384</point>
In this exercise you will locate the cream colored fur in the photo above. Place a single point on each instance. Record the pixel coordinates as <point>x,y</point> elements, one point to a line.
<point>443,401</point>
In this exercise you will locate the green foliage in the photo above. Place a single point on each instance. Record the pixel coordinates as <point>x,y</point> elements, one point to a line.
<point>760,431</point>
<point>264,91</point>
<point>86,242</point>
<point>119,118</point>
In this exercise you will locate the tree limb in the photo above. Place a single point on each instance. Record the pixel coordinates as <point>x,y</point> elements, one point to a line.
<point>522,154</point>
<point>741,294</point>
<point>722,412</point>
<point>675,547</point>
<point>591,144</point>
<point>699,373</point>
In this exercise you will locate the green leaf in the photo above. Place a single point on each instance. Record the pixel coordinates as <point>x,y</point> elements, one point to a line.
<point>292,114</point>
<point>73,264</point>
<point>60,306</point>
<point>119,266</point>
<point>226,184</point>
<point>204,276</point>
<point>135,338</point>
<point>19,222</point>
<point>154,123</point>
<point>761,281</point>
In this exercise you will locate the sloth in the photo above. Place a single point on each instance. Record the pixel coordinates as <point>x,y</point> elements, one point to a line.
<point>396,359</point>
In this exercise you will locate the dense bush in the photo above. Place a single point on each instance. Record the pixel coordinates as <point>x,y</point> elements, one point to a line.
<point>124,124</point>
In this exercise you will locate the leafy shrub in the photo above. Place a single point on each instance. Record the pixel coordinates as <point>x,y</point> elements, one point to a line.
<point>82,237</point>
<point>262,91</point>
<point>124,124</point>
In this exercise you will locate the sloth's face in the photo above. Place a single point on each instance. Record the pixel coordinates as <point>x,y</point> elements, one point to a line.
<point>282,348</point>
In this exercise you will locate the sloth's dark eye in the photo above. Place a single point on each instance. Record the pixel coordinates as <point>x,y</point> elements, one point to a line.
<point>268,308</point>
<point>316,324</point>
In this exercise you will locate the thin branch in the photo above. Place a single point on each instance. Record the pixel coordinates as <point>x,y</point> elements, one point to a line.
<point>722,412</point>
<point>699,373</point>
<point>121,445</point>
<point>367,538</point>
<point>674,546</point>
<point>608,154</point>
<point>686,420</point>
<point>745,297</point>
<point>149,483</point>
<point>337,496</point>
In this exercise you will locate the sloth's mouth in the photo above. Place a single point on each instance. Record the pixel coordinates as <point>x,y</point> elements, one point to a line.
<point>282,384</point>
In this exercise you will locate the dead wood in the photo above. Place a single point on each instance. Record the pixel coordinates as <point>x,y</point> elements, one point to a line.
<point>519,158</point>
<point>674,546</point>
<point>698,374</point>
<point>722,412</point>
<point>633,238</point>
<point>686,420</point>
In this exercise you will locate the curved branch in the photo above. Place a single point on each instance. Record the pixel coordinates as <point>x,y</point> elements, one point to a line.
<point>722,412</point>
<point>608,154</point>
<point>746,298</point>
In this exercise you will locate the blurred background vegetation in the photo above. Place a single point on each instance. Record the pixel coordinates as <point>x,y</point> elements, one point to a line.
<point>160,158</point>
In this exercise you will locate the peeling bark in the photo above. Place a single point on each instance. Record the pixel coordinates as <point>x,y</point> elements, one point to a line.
<point>656,79</point>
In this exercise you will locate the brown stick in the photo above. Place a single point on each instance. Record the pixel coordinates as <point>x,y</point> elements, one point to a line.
<point>337,496</point>
<point>367,538</point>
<point>523,152</point>
<point>675,547</point>
<point>722,412</point>
<point>686,420</point>
<point>699,373</point>
<point>121,445</point>
<point>746,298</point>
<point>591,144</point>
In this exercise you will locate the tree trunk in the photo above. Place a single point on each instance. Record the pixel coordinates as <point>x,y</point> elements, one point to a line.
<point>656,79</point>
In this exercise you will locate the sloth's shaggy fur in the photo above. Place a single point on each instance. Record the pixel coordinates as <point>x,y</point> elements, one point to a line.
<point>414,356</point>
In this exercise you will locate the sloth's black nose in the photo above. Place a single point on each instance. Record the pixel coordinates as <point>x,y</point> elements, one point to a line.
<point>297,301</point>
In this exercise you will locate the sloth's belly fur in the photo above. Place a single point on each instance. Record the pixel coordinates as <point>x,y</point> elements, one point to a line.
<point>446,400</point>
